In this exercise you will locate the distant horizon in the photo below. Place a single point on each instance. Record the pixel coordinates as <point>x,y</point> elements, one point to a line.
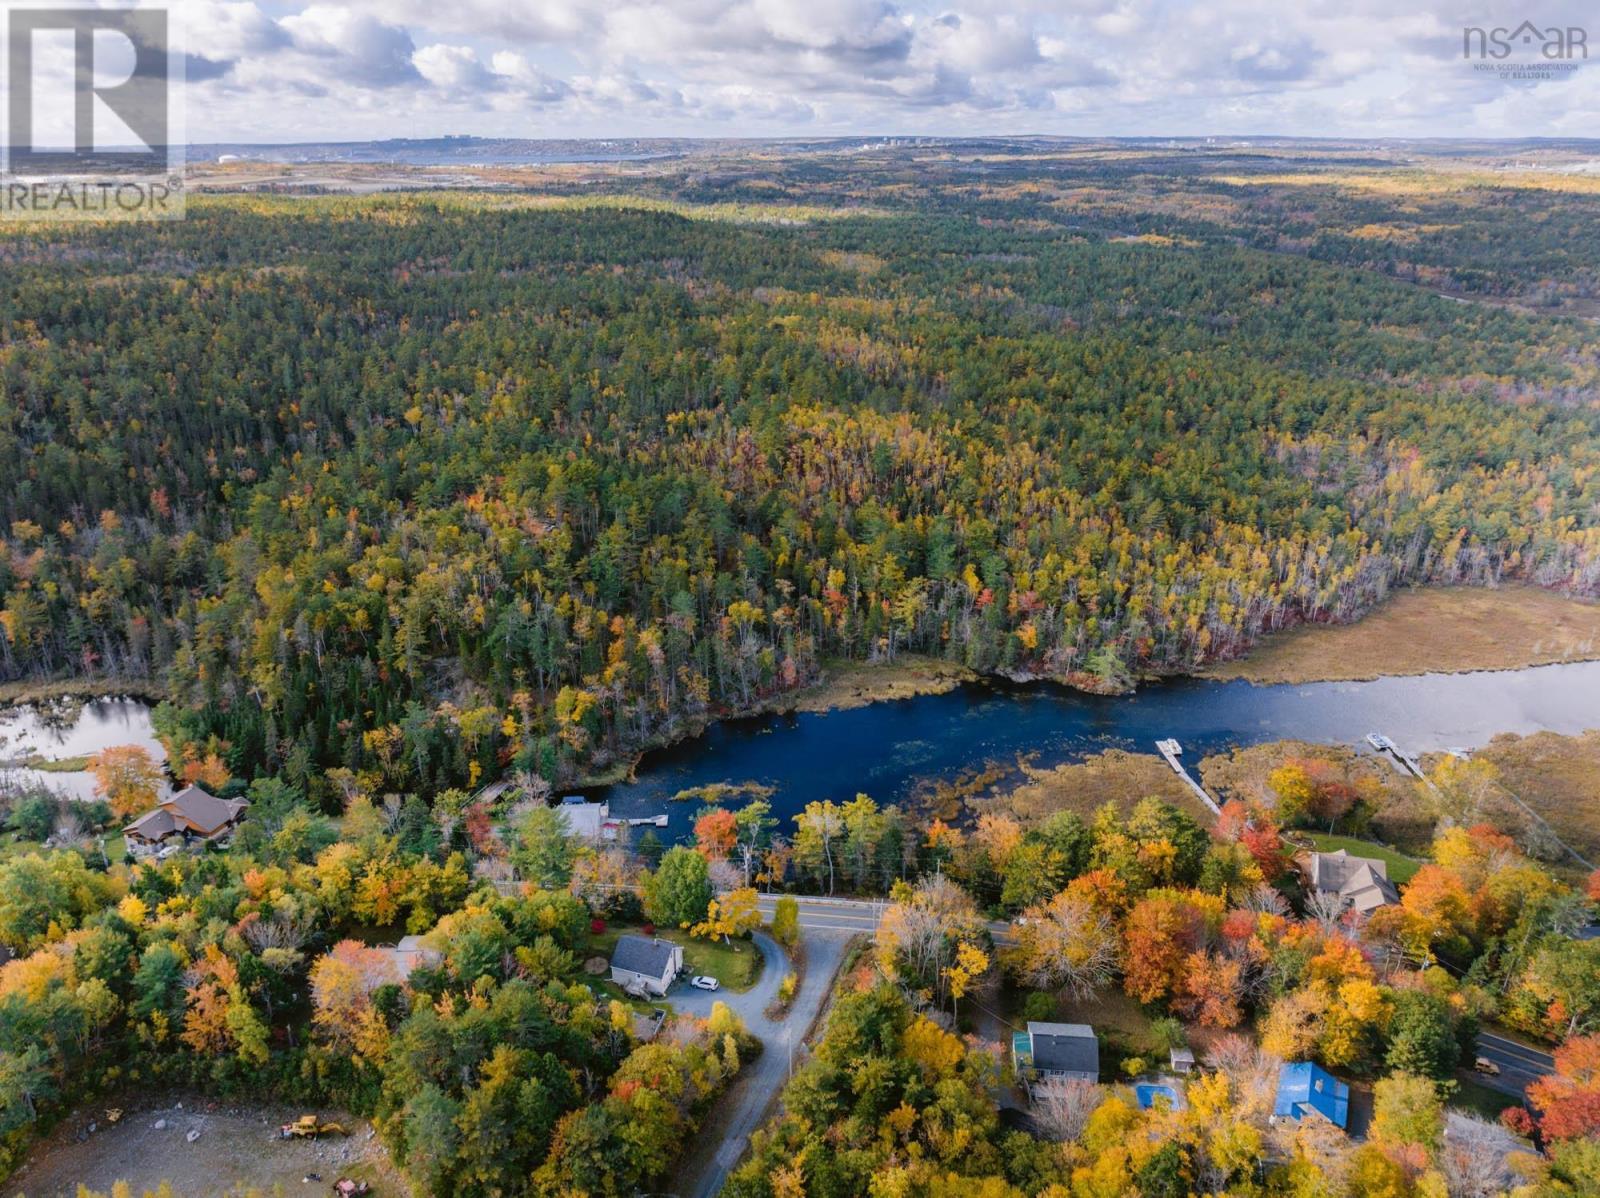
<point>801,139</point>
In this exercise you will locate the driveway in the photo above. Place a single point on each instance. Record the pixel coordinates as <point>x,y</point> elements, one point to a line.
<point>744,1107</point>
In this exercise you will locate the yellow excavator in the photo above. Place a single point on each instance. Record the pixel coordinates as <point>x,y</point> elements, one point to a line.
<point>310,1127</point>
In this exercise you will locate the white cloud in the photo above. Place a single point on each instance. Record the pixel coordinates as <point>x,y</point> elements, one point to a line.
<point>719,67</point>
<point>453,68</point>
<point>352,47</point>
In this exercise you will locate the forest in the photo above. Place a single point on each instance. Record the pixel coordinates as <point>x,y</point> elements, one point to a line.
<point>432,487</point>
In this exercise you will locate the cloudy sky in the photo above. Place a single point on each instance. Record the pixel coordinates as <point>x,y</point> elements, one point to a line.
<point>267,71</point>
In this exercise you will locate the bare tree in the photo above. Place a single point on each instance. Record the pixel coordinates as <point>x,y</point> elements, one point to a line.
<point>1326,909</point>
<point>1253,1074</point>
<point>1473,1158</point>
<point>1065,944</point>
<point>1062,1108</point>
<point>918,938</point>
<point>1265,900</point>
<point>724,875</point>
<point>283,930</point>
<point>1326,1146</point>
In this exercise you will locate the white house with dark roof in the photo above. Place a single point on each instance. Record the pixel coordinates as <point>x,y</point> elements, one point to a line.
<point>643,965</point>
<point>189,817</point>
<point>1361,882</point>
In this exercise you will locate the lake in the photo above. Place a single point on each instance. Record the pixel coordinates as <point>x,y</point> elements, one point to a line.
<point>887,750</point>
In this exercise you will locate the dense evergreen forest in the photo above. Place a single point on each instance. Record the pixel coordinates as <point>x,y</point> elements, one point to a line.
<point>432,486</point>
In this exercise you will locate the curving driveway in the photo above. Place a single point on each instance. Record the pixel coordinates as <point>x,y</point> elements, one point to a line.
<point>746,1104</point>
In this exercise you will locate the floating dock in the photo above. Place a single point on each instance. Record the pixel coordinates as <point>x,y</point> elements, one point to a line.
<point>1172,750</point>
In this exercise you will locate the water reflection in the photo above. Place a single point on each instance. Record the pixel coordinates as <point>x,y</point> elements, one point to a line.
<point>60,731</point>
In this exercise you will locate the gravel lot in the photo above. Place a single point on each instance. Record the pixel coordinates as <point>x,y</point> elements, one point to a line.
<point>237,1148</point>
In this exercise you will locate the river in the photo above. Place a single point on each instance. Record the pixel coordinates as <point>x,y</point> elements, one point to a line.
<point>889,749</point>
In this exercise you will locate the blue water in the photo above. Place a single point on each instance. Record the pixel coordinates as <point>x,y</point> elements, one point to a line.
<point>1147,1093</point>
<point>888,750</point>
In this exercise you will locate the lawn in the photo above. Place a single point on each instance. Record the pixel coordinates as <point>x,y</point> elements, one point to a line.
<point>1401,867</point>
<point>1472,1095</point>
<point>736,965</point>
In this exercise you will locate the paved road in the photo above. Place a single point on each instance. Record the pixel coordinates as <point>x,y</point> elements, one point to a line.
<point>827,925</point>
<point>745,1106</point>
<point>1520,1065</point>
<point>851,915</point>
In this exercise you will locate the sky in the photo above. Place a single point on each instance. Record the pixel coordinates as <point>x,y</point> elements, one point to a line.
<point>264,71</point>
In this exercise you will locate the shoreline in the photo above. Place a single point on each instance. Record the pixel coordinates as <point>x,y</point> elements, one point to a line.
<point>845,685</point>
<point>1416,631</point>
<point>26,694</point>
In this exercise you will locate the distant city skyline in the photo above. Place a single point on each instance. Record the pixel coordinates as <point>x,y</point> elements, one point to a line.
<point>265,71</point>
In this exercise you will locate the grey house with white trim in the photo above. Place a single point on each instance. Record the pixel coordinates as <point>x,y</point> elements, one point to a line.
<point>642,965</point>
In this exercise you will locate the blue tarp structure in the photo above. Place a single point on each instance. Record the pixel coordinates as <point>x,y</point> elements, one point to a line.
<point>1304,1087</point>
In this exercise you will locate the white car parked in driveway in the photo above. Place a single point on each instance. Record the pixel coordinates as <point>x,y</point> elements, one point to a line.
<point>701,982</point>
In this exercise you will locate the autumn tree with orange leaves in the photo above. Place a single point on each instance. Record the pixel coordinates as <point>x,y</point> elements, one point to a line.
<point>127,777</point>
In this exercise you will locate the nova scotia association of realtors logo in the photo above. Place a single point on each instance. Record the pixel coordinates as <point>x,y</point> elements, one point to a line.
<point>1526,51</point>
<point>91,128</point>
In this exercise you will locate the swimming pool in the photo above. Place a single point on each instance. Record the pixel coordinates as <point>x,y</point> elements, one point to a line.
<point>1148,1092</point>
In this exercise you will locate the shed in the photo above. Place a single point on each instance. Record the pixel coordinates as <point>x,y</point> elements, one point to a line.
<point>412,954</point>
<point>1182,1060</point>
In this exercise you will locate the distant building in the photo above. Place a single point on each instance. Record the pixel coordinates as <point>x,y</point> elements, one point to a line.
<point>410,954</point>
<point>1307,1089</point>
<point>1182,1060</point>
<point>189,817</point>
<point>1049,1052</point>
<point>642,965</point>
<point>1362,882</point>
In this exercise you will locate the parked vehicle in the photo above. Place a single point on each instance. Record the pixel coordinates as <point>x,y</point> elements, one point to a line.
<point>1486,1066</point>
<point>701,982</point>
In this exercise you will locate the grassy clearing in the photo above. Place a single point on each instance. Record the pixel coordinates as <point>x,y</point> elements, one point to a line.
<point>1114,776</point>
<point>850,684</point>
<point>58,765</point>
<point>736,965</point>
<point>1427,631</point>
<point>1557,776</point>
<point>1402,817</point>
<point>1472,1095</point>
<point>1401,867</point>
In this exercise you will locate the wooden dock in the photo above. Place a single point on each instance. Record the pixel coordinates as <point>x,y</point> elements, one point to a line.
<point>1407,762</point>
<point>1172,750</point>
